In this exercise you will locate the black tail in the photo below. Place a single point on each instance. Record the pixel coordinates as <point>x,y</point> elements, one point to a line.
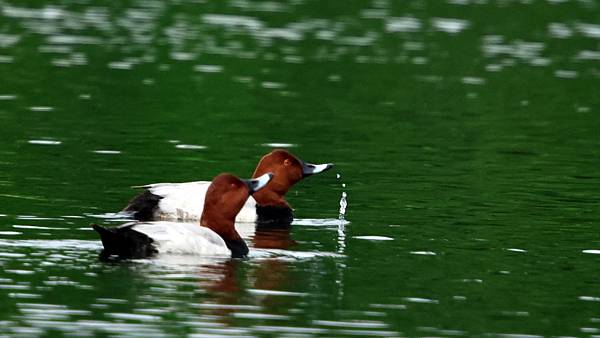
<point>142,206</point>
<point>124,242</point>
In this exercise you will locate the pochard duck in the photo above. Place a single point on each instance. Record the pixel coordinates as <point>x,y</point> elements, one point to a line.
<point>184,201</point>
<point>215,235</point>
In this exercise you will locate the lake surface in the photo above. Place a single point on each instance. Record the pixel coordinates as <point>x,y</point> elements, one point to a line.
<point>465,134</point>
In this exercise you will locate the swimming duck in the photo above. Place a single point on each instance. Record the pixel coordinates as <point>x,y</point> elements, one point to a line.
<point>184,201</point>
<point>215,235</point>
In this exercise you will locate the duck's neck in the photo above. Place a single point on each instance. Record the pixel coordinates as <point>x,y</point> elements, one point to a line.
<point>223,228</point>
<point>232,239</point>
<point>267,197</point>
<point>238,248</point>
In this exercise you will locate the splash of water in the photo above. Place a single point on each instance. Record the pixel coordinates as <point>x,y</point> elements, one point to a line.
<point>343,205</point>
<point>342,218</point>
<point>341,241</point>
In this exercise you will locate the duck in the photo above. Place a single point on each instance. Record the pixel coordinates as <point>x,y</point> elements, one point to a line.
<point>215,234</point>
<point>184,201</point>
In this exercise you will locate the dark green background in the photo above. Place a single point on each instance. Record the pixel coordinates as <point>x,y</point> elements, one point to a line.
<point>467,145</point>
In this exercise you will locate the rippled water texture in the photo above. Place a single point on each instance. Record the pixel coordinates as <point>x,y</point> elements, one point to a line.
<point>464,201</point>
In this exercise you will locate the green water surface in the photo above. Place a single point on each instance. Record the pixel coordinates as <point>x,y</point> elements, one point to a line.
<point>465,134</point>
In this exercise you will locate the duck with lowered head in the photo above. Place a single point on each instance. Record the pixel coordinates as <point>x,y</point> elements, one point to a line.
<point>215,235</point>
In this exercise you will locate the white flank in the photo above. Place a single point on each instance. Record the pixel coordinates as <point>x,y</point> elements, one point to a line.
<point>185,202</point>
<point>183,238</point>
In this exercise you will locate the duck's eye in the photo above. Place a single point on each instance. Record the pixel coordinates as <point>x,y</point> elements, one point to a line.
<point>287,161</point>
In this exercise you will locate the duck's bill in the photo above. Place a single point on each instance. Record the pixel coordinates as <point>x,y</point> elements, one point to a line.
<point>311,169</point>
<point>258,183</point>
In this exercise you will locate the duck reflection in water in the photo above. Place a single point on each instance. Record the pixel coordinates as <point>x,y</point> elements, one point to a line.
<point>234,279</point>
<point>270,235</point>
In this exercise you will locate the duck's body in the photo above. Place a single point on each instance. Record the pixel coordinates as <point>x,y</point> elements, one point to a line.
<point>166,237</point>
<point>179,202</point>
<point>214,235</point>
<point>185,201</point>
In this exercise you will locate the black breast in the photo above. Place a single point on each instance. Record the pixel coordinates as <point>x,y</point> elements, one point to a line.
<point>274,217</point>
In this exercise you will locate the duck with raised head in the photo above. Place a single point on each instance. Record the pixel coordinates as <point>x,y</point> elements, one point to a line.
<point>184,201</point>
<point>215,235</point>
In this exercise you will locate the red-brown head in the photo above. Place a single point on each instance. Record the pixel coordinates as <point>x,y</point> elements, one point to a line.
<point>224,199</point>
<point>287,170</point>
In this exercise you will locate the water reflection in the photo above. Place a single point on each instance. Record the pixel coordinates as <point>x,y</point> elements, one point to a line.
<point>277,238</point>
<point>222,291</point>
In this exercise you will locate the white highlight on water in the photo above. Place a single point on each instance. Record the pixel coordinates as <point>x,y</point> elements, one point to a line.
<point>591,251</point>
<point>208,68</point>
<point>41,108</point>
<point>272,85</point>
<point>352,324</point>
<point>10,233</point>
<point>277,293</point>
<point>35,227</point>
<point>374,238</point>
<point>247,22</point>
<point>132,316</point>
<point>317,222</point>
<point>260,316</point>
<point>44,142</point>
<point>279,145</point>
<point>449,25</point>
<point>403,24</point>
<point>121,65</point>
<point>424,253</point>
<point>589,298</point>
<point>190,146</point>
<point>421,300</point>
